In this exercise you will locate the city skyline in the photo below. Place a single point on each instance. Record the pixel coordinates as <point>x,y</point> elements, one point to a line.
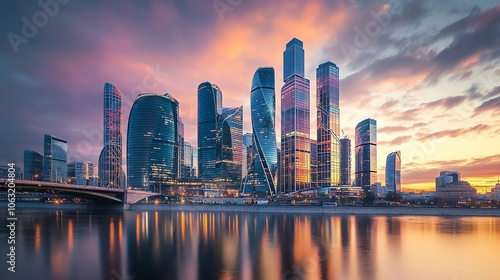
<point>443,105</point>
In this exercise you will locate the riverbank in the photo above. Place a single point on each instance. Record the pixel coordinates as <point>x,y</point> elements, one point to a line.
<point>339,210</point>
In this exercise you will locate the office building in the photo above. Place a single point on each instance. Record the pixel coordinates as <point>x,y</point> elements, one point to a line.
<point>152,142</point>
<point>393,172</point>
<point>111,172</point>
<point>366,153</point>
<point>33,166</point>
<point>328,124</point>
<point>345,161</point>
<point>55,157</point>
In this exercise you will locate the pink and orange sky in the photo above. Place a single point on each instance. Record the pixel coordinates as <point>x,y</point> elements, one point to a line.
<point>427,71</point>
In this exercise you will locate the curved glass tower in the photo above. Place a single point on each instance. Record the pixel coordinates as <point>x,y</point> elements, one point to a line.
<point>209,110</point>
<point>264,167</point>
<point>366,153</point>
<point>110,160</point>
<point>152,141</point>
<point>393,172</point>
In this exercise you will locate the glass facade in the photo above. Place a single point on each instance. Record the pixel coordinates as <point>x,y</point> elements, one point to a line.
<point>33,166</point>
<point>366,153</point>
<point>328,124</point>
<point>187,163</point>
<point>180,135</point>
<point>80,172</point>
<point>55,159</point>
<point>345,161</point>
<point>152,142</point>
<point>264,165</point>
<point>209,111</point>
<point>293,59</point>
<point>295,134</point>
<point>229,147</point>
<point>393,172</point>
<point>110,160</point>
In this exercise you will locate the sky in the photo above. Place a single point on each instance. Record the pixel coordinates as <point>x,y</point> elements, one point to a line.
<point>427,71</point>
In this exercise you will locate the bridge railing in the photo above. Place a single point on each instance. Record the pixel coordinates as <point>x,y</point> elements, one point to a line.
<point>61,185</point>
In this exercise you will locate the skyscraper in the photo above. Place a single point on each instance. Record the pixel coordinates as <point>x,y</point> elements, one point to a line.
<point>187,163</point>
<point>263,110</point>
<point>293,59</point>
<point>366,153</point>
<point>229,147</point>
<point>209,111</point>
<point>110,160</point>
<point>393,172</point>
<point>295,121</point>
<point>55,159</point>
<point>152,141</point>
<point>328,124</point>
<point>33,166</point>
<point>180,133</point>
<point>345,161</point>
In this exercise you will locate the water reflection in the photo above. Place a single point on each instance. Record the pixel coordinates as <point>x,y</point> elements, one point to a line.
<point>189,245</point>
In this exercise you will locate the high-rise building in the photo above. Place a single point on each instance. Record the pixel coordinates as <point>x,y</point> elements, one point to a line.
<point>209,111</point>
<point>187,163</point>
<point>180,128</point>
<point>295,121</point>
<point>293,59</point>
<point>110,160</point>
<point>152,142</point>
<point>345,161</point>
<point>33,166</point>
<point>314,164</point>
<point>393,172</point>
<point>328,124</point>
<point>263,111</point>
<point>80,172</point>
<point>229,147</point>
<point>55,159</point>
<point>247,155</point>
<point>366,153</point>
<point>194,172</point>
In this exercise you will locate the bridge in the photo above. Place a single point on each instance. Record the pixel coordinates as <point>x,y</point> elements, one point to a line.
<point>100,195</point>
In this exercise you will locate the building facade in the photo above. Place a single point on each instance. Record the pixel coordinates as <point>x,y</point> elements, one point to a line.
<point>33,166</point>
<point>264,165</point>
<point>328,124</point>
<point>295,121</point>
<point>80,172</point>
<point>393,172</point>
<point>229,156</point>
<point>110,160</point>
<point>447,177</point>
<point>366,153</point>
<point>209,111</point>
<point>55,159</point>
<point>345,161</point>
<point>152,142</point>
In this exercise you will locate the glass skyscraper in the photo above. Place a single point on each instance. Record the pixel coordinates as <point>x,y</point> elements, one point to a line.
<point>33,166</point>
<point>229,147</point>
<point>345,161</point>
<point>209,111</point>
<point>55,159</point>
<point>293,59</point>
<point>393,172</point>
<point>264,165</point>
<point>295,121</point>
<point>328,124</point>
<point>110,160</point>
<point>80,172</point>
<point>152,142</point>
<point>366,153</point>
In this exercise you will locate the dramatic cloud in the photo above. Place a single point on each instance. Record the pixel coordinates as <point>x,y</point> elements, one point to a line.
<point>452,133</point>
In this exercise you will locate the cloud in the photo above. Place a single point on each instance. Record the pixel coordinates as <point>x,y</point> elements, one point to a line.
<point>452,133</point>
<point>396,141</point>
